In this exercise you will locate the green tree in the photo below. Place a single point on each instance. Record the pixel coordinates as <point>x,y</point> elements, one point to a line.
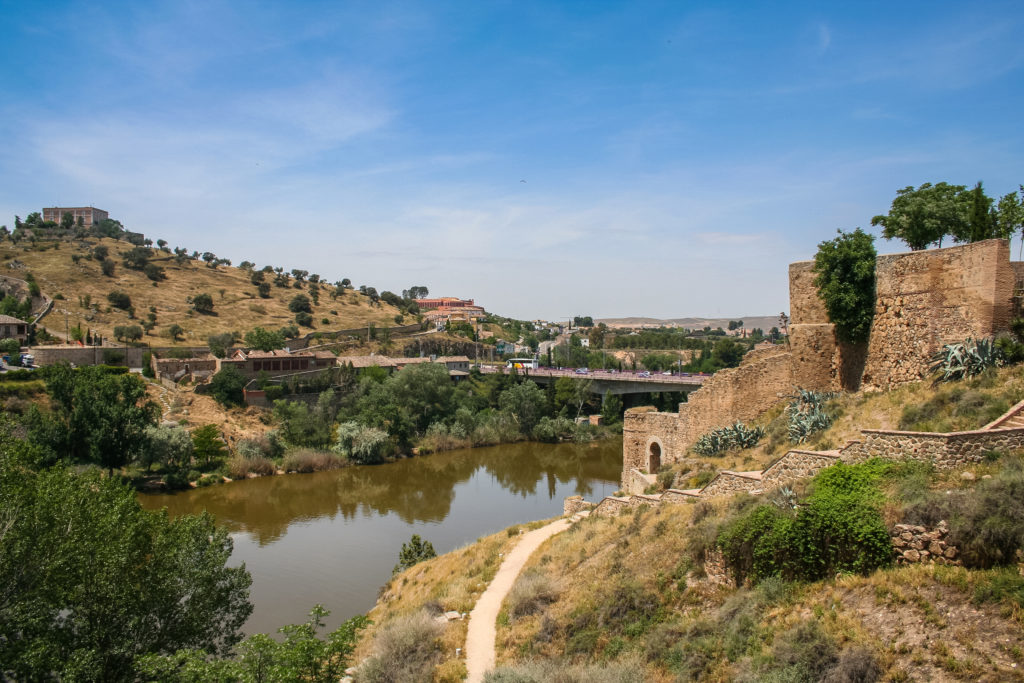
<point>175,331</point>
<point>220,344</point>
<point>170,447</point>
<point>67,221</point>
<point>263,289</point>
<point>227,386</point>
<point>89,581</point>
<point>415,551</point>
<point>264,340</point>
<point>107,267</point>
<point>526,403</point>
<point>301,656</point>
<point>845,279</point>
<point>611,408</point>
<point>300,304</point>
<point>207,446</point>
<point>924,215</point>
<point>119,300</point>
<point>95,416</point>
<point>203,303</point>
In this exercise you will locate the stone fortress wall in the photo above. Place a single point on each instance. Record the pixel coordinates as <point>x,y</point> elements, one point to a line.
<point>923,300</point>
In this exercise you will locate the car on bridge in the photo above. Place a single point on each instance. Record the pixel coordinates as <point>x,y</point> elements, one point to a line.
<point>643,373</point>
<point>582,371</point>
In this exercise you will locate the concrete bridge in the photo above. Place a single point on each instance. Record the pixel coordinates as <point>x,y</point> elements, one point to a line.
<point>613,382</point>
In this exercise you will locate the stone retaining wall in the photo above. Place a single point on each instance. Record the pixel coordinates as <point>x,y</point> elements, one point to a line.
<point>915,544</point>
<point>793,466</point>
<point>727,483</point>
<point>945,451</point>
<point>609,506</point>
<point>573,504</point>
<point>678,496</point>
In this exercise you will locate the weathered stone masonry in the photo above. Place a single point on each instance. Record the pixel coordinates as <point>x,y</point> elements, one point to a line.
<point>923,299</point>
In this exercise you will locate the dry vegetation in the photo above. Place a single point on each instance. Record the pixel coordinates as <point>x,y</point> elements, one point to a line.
<point>237,306</point>
<point>450,582</point>
<point>626,598</point>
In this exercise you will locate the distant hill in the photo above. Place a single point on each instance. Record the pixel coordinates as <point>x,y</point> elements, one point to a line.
<point>68,271</point>
<point>765,322</point>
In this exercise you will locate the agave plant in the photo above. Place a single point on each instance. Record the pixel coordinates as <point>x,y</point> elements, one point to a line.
<point>736,435</point>
<point>965,359</point>
<point>807,414</point>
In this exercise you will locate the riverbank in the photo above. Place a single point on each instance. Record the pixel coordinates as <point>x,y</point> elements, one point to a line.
<point>333,537</point>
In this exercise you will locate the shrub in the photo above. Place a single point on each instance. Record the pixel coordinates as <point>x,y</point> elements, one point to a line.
<point>361,444</point>
<point>119,300</point>
<point>838,529</point>
<point>415,551</point>
<point>408,649</point>
<point>203,303</point>
<point>543,670</point>
<point>305,460</point>
<point>666,478</point>
<point>240,467</point>
<point>530,594</point>
<point>304,319</point>
<point>300,304</point>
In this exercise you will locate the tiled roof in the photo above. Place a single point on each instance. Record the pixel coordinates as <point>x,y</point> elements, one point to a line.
<point>360,362</point>
<point>9,320</point>
<point>452,359</point>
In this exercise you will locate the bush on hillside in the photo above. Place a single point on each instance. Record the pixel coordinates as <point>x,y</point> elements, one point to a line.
<point>845,278</point>
<point>839,528</point>
<point>408,650</point>
<point>227,386</point>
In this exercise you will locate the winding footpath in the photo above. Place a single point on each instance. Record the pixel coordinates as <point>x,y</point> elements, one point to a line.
<point>482,620</point>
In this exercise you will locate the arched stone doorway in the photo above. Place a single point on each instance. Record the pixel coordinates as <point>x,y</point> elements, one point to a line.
<point>654,457</point>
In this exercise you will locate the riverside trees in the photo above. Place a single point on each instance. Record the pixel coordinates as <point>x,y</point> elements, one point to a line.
<point>89,581</point>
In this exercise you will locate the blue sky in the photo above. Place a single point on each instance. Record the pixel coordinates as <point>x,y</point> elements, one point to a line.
<point>676,156</point>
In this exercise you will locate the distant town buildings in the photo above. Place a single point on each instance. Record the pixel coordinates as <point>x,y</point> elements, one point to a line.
<point>13,328</point>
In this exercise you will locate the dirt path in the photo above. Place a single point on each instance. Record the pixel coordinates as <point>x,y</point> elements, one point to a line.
<point>482,628</point>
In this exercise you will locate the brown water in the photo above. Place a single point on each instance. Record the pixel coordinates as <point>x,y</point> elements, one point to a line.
<point>333,537</point>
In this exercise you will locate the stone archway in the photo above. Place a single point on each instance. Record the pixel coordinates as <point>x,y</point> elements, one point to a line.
<point>654,457</point>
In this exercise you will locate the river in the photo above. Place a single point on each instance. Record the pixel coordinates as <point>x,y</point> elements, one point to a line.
<point>333,537</point>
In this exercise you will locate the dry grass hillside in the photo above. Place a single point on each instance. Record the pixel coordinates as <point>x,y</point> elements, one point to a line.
<point>627,598</point>
<point>237,307</point>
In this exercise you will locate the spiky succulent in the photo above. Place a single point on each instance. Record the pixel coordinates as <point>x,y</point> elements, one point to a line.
<point>965,359</point>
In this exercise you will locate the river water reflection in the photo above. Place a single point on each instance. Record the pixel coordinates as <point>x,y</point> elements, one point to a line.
<point>333,537</point>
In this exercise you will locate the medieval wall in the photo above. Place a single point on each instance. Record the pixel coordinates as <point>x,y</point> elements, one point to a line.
<point>642,426</point>
<point>741,393</point>
<point>925,299</point>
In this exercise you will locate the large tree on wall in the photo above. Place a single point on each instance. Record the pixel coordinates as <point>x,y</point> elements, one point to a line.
<point>923,216</point>
<point>845,279</point>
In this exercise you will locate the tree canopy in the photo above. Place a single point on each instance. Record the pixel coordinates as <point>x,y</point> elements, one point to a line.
<point>925,215</point>
<point>845,279</point>
<point>89,581</point>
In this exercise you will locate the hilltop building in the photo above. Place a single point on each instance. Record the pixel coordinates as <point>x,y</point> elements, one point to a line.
<point>90,215</point>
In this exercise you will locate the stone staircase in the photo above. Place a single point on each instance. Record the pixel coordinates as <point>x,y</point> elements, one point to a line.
<point>1011,419</point>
